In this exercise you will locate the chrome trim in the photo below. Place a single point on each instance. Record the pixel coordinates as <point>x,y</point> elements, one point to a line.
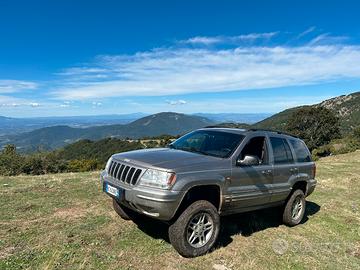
<point>117,171</point>
<point>154,199</point>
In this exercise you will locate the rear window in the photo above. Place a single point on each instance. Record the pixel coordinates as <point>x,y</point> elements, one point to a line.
<point>281,151</point>
<point>301,151</point>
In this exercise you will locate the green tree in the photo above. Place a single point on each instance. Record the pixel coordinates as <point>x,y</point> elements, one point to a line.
<point>356,133</point>
<point>317,126</point>
<point>10,161</point>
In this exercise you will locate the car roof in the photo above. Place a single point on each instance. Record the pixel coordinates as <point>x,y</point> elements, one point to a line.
<point>249,131</point>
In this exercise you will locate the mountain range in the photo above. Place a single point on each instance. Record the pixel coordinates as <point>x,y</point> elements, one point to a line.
<point>10,125</point>
<point>346,107</point>
<point>153,125</point>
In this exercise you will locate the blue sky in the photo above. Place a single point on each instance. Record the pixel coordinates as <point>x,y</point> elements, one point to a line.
<point>107,57</point>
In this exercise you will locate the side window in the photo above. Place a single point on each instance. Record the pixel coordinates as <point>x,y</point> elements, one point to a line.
<point>281,150</point>
<point>289,155</point>
<point>256,147</point>
<point>301,151</point>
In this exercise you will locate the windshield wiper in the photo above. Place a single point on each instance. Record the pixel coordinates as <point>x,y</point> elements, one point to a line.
<point>192,149</point>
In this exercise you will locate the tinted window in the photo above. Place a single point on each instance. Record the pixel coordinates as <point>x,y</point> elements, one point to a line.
<point>288,152</point>
<point>301,151</point>
<point>281,151</point>
<point>209,142</point>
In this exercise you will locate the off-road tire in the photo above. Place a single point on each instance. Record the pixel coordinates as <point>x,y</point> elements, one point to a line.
<point>178,230</point>
<point>122,211</point>
<point>288,215</point>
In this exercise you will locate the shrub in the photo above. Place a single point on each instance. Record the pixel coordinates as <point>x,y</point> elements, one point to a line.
<point>83,165</point>
<point>11,162</point>
<point>317,126</point>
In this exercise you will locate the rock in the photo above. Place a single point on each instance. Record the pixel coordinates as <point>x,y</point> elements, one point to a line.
<point>220,267</point>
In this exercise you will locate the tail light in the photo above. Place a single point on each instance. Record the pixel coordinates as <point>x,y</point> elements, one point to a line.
<point>313,171</point>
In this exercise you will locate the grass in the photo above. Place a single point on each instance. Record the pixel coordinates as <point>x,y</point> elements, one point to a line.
<point>64,221</point>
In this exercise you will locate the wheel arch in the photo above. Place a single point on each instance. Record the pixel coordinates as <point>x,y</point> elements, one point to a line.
<point>211,192</point>
<point>300,184</point>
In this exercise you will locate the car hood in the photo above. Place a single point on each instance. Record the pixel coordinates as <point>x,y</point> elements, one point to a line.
<point>166,158</point>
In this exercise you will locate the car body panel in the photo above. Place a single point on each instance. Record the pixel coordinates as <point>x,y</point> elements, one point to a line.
<point>241,188</point>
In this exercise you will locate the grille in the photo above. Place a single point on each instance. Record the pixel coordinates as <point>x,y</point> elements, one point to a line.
<point>124,173</point>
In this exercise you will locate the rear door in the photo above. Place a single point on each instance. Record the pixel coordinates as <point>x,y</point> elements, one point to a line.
<point>303,159</point>
<point>284,168</point>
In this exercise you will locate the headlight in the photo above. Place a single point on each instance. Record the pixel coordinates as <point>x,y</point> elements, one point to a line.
<point>158,179</point>
<point>108,164</point>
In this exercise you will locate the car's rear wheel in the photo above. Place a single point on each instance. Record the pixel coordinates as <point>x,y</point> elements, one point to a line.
<point>196,230</point>
<point>122,211</point>
<point>294,208</point>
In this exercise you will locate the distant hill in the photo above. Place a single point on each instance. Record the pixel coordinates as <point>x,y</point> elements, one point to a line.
<point>276,121</point>
<point>346,107</point>
<point>247,118</point>
<point>153,125</point>
<point>18,125</point>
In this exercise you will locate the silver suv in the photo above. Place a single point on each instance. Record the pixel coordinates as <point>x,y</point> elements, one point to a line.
<point>209,173</point>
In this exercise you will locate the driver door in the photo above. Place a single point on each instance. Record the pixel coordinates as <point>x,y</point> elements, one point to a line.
<point>250,186</point>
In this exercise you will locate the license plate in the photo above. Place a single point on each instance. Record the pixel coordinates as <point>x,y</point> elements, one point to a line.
<point>112,190</point>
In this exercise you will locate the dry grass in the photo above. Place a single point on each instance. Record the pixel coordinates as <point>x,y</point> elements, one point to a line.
<point>64,221</point>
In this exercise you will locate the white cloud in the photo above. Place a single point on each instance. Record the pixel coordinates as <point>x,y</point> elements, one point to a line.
<point>34,104</point>
<point>172,71</point>
<point>96,104</point>
<point>327,39</point>
<point>11,86</point>
<point>176,102</point>
<point>12,102</point>
<point>201,40</point>
<point>306,32</point>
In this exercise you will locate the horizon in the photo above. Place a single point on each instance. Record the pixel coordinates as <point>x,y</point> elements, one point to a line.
<point>134,113</point>
<point>68,58</point>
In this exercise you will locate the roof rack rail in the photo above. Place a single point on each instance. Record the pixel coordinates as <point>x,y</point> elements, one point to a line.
<point>275,131</point>
<point>219,126</point>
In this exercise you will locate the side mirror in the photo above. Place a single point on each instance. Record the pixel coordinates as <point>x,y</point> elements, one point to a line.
<point>248,161</point>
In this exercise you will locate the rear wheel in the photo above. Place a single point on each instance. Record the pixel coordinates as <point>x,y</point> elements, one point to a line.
<point>295,208</point>
<point>196,230</point>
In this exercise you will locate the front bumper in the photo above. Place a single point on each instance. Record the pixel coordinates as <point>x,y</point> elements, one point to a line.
<point>157,203</point>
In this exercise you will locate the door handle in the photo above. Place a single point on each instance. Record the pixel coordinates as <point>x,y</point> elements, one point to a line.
<point>266,172</point>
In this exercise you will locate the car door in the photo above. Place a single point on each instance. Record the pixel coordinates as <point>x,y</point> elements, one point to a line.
<point>250,185</point>
<point>284,168</point>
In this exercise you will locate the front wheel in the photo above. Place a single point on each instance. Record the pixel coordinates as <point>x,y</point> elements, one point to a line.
<point>196,230</point>
<point>295,208</point>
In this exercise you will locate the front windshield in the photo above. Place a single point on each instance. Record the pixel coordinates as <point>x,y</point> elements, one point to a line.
<point>209,142</point>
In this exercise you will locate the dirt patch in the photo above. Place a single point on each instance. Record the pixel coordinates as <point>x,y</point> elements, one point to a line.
<point>6,252</point>
<point>70,213</point>
<point>355,251</point>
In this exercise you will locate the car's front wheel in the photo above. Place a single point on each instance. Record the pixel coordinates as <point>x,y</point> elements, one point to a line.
<point>196,230</point>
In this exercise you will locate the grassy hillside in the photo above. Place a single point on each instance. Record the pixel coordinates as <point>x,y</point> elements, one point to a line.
<point>64,221</point>
<point>346,107</point>
<point>276,121</point>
